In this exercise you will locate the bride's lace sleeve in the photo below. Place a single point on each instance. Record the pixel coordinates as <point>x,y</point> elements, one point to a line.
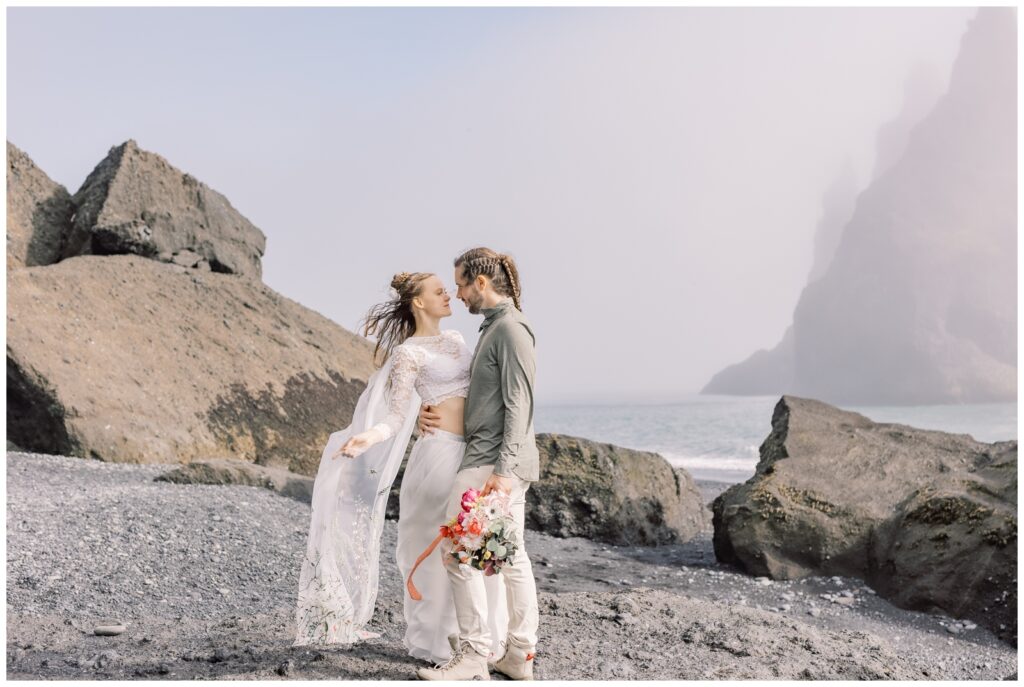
<point>401,384</point>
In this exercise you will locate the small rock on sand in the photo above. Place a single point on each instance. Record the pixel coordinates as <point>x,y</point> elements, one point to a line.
<point>110,630</point>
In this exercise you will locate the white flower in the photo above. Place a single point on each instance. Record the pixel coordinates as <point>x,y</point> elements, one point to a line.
<point>496,504</point>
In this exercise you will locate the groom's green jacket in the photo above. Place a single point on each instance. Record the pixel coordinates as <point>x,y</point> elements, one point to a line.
<point>499,405</point>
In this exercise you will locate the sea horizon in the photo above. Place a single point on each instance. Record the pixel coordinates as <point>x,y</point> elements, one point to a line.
<point>717,437</point>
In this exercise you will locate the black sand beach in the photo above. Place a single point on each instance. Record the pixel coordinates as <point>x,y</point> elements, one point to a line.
<point>204,579</point>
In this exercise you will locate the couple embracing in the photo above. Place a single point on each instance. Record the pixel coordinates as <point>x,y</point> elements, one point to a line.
<point>475,415</point>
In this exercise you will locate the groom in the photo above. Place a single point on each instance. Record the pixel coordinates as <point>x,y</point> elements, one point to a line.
<point>501,454</point>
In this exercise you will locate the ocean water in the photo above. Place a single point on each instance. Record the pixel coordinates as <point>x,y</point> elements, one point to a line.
<point>717,437</point>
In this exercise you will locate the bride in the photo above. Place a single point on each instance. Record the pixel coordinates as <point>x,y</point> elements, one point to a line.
<point>338,580</point>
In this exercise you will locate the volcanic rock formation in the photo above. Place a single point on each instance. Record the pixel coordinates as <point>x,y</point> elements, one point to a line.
<point>153,339</point>
<point>611,494</point>
<point>39,211</point>
<point>134,201</point>
<point>928,519</point>
<point>918,304</point>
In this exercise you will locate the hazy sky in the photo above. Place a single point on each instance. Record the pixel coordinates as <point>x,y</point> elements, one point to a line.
<point>657,173</point>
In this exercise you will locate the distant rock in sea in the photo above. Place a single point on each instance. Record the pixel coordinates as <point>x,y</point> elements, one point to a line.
<point>918,304</point>
<point>39,211</point>
<point>928,519</point>
<point>764,373</point>
<point>134,201</point>
<point>836,209</point>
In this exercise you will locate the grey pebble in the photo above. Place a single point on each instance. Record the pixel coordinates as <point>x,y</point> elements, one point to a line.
<point>109,630</point>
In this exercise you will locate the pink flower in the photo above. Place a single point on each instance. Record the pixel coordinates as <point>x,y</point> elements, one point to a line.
<point>469,498</point>
<point>462,517</point>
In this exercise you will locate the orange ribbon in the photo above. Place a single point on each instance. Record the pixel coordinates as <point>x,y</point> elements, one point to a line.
<point>413,592</point>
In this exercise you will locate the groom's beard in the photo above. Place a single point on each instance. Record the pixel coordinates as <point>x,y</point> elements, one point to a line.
<point>474,305</point>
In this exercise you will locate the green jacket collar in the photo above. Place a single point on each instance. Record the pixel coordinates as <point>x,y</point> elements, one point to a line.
<point>491,314</point>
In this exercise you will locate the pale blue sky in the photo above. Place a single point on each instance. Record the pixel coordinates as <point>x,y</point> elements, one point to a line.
<point>657,173</point>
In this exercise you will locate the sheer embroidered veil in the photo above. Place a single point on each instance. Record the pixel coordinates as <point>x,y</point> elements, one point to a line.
<point>339,576</point>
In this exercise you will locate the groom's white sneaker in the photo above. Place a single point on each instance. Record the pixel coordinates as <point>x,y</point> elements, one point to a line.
<point>465,664</point>
<point>517,663</point>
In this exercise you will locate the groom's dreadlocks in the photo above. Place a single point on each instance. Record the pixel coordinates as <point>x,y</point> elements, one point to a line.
<point>499,268</point>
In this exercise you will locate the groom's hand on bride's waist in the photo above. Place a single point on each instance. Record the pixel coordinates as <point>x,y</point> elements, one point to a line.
<point>497,483</point>
<point>428,420</point>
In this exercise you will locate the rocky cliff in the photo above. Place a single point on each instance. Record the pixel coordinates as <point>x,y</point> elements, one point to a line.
<point>918,304</point>
<point>153,339</point>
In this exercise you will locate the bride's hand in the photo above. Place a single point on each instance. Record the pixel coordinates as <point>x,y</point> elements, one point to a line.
<point>353,447</point>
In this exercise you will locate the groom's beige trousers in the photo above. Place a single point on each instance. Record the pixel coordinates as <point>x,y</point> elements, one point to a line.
<point>468,588</point>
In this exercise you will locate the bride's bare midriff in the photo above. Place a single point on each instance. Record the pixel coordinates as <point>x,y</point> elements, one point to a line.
<point>451,411</point>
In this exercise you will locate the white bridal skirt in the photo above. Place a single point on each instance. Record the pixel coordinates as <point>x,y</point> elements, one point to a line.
<point>423,500</point>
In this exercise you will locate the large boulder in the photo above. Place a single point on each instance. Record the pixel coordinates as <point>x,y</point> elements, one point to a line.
<point>39,212</point>
<point>604,493</point>
<point>928,519</point>
<point>135,202</point>
<point>611,494</point>
<point>132,360</point>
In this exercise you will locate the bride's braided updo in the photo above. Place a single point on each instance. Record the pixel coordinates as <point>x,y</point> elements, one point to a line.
<point>400,280</point>
<point>393,321</point>
<point>498,267</point>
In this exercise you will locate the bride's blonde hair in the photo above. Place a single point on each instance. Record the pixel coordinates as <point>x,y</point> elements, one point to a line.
<point>392,321</point>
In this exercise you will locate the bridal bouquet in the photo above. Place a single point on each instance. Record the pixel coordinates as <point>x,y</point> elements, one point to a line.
<point>482,536</point>
<point>482,532</point>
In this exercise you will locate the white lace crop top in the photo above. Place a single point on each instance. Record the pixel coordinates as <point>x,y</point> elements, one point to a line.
<point>437,367</point>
